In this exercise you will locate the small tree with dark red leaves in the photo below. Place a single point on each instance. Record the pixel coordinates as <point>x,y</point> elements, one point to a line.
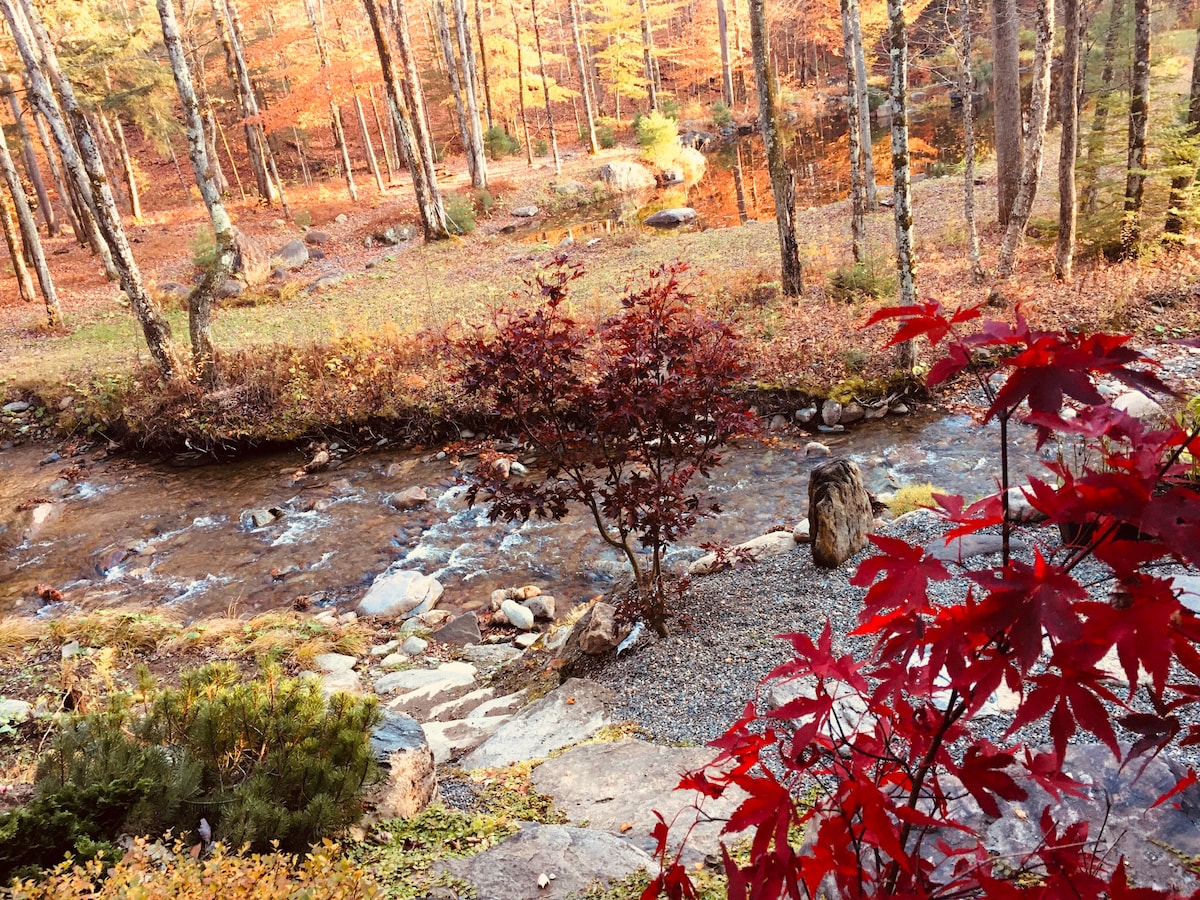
<point>887,750</point>
<point>621,417</point>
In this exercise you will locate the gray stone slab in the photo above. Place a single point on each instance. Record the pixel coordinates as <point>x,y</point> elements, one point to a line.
<point>615,785</point>
<point>567,715</point>
<point>570,858</point>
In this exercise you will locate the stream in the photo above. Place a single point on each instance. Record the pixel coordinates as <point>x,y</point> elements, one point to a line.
<point>109,532</point>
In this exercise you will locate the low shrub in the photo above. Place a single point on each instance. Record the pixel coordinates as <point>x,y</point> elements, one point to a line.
<point>606,135</point>
<point>873,277</point>
<point>460,212</point>
<point>912,497</point>
<point>722,115</point>
<point>498,143</point>
<point>657,134</point>
<point>540,147</point>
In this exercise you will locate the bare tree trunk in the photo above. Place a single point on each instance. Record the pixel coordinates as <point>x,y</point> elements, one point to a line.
<point>56,175</point>
<point>1039,110</point>
<point>858,200</point>
<point>1095,141</point>
<point>1006,88</point>
<point>726,68</point>
<point>200,302</point>
<point>866,146</point>
<point>648,55</point>
<point>966,86</point>
<point>783,184</point>
<point>135,200</point>
<point>1182,182</point>
<point>1068,95</point>
<point>901,189</point>
<point>13,242</point>
<point>521,83</point>
<point>29,156</point>
<point>106,143</point>
<point>196,64</point>
<point>27,29</point>
<point>336,125</point>
<point>429,200</point>
<point>537,41</point>
<point>585,81</point>
<point>372,162</point>
<point>414,97</point>
<point>445,40</point>
<point>1139,107</point>
<point>470,89</point>
<point>383,136</point>
<point>28,238</point>
<point>483,61</point>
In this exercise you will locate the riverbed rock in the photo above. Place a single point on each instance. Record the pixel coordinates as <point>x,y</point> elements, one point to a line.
<point>410,783</point>
<point>400,593</point>
<point>291,255</point>
<point>315,237</point>
<point>817,449</point>
<point>260,518</point>
<point>542,607</point>
<point>852,412</point>
<point>597,632</point>
<point>526,212</point>
<point>582,785</point>
<point>414,646</point>
<point>409,498</point>
<point>671,218</point>
<point>621,177</point>
<point>802,533</point>
<point>571,713</point>
<point>806,414</point>
<point>460,630</point>
<point>839,512</point>
<point>565,860</point>
<point>774,543</point>
<point>250,262</point>
<point>831,412</point>
<point>1140,406</point>
<point>517,615</point>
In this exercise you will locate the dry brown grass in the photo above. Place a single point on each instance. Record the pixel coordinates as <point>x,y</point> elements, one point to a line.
<point>17,633</point>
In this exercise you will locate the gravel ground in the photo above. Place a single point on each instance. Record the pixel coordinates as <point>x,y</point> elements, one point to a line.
<point>691,686</point>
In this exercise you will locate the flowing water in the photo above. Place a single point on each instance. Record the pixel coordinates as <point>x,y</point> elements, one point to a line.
<point>122,532</point>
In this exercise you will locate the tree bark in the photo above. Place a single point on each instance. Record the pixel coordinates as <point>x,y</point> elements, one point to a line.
<point>858,200</point>
<point>1182,182</point>
<point>648,55</point>
<point>200,302</point>
<point>470,88</point>
<point>368,149</point>
<point>521,83</point>
<point>866,146</point>
<point>336,125</point>
<point>966,86</point>
<point>1039,110</point>
<point>13,242</point>
<point>1068,96</point>
<point>1139,107</point>
<point>1095,141</point>
<point>783,184</point>
<point>420,164</point>
<point>383,136</point>
<point>726,68</point>
<point>29,33</point>
<point>414,95</point>
<point>135,200</point>
<point>537,41</point>
<point>29,156</point>
<point>28,238</point>
<point>901,189</point>
<point>1006,100</point>
<point>483,62</point>
<point>585,80</point>
<point>446,41</point>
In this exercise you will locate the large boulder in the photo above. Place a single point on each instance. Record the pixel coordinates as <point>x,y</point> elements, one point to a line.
<point>250,262</point>
<point>291,255</point>
<point>598,632</point>
<point>400,593</point>
<point>410,780</point>
<point>839,512</point>
<point>671,218</point>
<point>620,177</point>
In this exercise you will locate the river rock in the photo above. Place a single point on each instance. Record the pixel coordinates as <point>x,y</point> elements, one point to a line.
<point>409,498</point>
<point>670,218</point>
<point>542,607</point>
<point>327,280</point>
<point>806,415</point>
<point>460,630</point>
<point>414,646</point>
<point>340,681</point>
<point>597,632</point>
<point>451,739</point>
<point>621,177</point>
<point>230,287</point>
<point>334,662</point>
<point>802,533</point>
<point>852,412</point>
<point>1140,406</point>
<point>567,715</point>
<point>14,712</point>
<point>250,261</point>
<point>398,593</point>
<point>395,234</point>
<point>831,412</point>
<point>315,237</point>
<point>839,512</point>
<point>517,615</point>
<point>173,290</point>
<point>291,255</point>
<point>491,655</point>
<point>775,543</point>
<point>410,783</point>
<point>447,675</point>
<point>260,518</point>
<point>816,448</point>
<point>525,212</point>
<point>582,785</point>
<point>517,867</point>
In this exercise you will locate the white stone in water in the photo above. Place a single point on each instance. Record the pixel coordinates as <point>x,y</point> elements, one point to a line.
<point>517,615</point>
<point>816,448</point>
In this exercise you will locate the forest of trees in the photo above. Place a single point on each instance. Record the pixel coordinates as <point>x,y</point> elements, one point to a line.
<point>263,94</point>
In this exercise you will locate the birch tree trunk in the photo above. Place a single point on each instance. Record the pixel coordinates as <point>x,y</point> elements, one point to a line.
<point>420,165</point>
<point>537,42</point>
<point>866,146</point>
<point>383,136</point>
<point>1139,107</point>
<point>196,64</point>
<point>28,33</point>
<point>1181,183</point>
<point>1039,110</point>
<point>966,86</point>
<point>483,62</point>
<point>901,188</point>
<point>726,68</point>
<point>336,126</point>
<point>648,55</point>
<point>372,161</point>
<point>858,200</point>
<point>470,89</point>
<point>585,81</point>
<point>783,184</point>
<point>1095,141</point>
<point>13,242</point>
<point>1006,89</point>
<point>414,97</point>
<point>200,302</point>
<point>131,188</point>
<point>446,41</point>
<point>28,238</point>
<point>29,156</point>
<point>1068,95</point>
<point>521,83</point>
